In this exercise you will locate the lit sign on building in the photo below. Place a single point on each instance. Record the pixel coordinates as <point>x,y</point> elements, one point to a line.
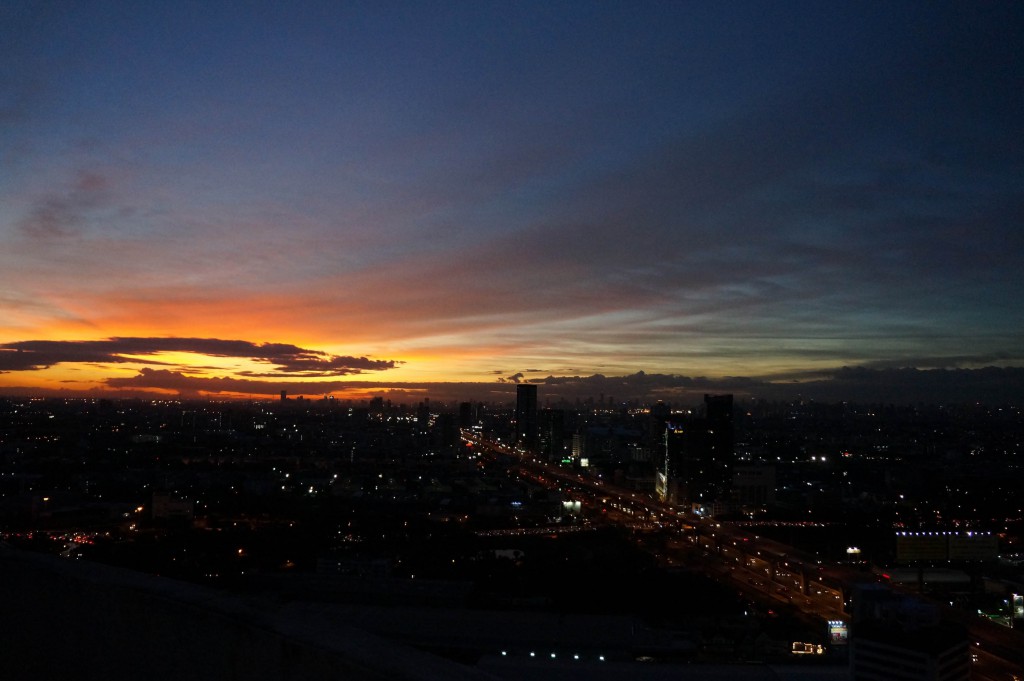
<point>942,546</point>
<point>838,633</point>
<point>800,648</point>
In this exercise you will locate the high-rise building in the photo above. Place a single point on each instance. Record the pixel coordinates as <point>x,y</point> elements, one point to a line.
<point>444,432</point>
<point>526,416</point>
<point>718,408</point>
<point>467,419</point>
<point>696,466</point>
<point>718,413</point>
<point>423,416</point>
<point>551,437</point>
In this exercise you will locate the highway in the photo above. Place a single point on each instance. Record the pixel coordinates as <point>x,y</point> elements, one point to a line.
<point>767,571</point>
<point>774,573</point>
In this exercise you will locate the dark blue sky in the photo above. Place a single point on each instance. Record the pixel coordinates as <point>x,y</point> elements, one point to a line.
<point>467,190</point>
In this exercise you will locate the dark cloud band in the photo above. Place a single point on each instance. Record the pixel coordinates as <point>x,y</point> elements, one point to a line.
<point>287,359</point>
<point>856,384</point>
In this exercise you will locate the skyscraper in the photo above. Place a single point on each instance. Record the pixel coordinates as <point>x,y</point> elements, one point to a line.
<point>526,416</point>
<point>466,415</point>
<point>698,456</point>
<point>551,434</point>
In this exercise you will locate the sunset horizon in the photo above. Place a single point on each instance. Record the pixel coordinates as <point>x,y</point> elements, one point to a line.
<point>206,368</point>
<point>648,201</point>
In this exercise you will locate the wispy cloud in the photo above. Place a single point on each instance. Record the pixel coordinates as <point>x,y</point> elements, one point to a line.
<point>61,213</point>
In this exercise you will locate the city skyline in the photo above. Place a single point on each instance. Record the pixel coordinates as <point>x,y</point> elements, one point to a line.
<point>654,200</point>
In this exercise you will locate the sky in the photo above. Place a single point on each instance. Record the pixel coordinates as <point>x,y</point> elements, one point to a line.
<point>650,199</point>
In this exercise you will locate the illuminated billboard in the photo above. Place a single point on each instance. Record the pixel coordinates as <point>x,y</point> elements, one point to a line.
<point>921,546</point>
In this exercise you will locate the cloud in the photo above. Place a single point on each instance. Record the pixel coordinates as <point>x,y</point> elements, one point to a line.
<point>62,213</point>
<point>645,384</point>
<point>164,379</point>
<point>991,385</point>
<point>947,361</point>
<point>857,384</point>
<point>287,360</point>
<point>636,386</point>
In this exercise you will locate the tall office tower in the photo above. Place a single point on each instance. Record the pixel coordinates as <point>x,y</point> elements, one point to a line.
<point>718,413</point>
<point>526,416</point>
<point>671,469</point>
<point>659,415</point>
<point>696,466</point>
